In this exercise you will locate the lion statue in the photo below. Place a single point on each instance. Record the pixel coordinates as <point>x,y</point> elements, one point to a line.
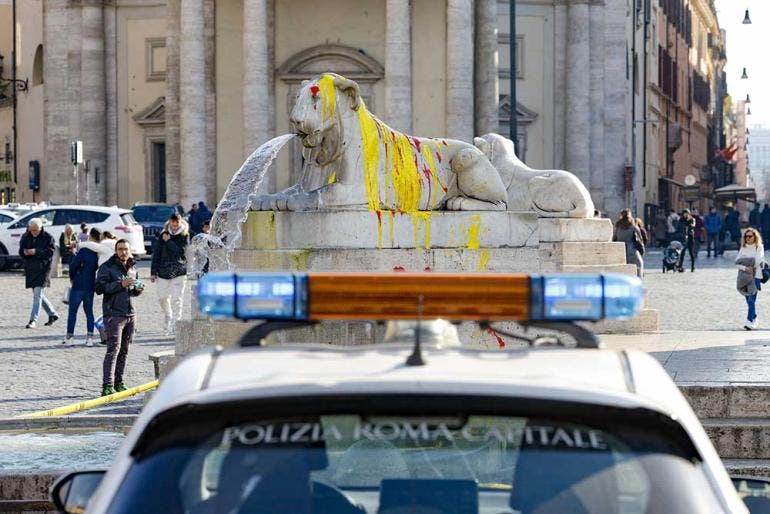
<point>365,164</point>
<point>353,160</point>
<point>550,193</point>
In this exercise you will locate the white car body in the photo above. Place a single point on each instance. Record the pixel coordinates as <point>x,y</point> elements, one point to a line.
<point>119,222</point>
<point>6,217</point>
<point>617,379</point>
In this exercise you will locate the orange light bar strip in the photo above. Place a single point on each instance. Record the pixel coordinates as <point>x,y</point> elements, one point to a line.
<point>385,296</point>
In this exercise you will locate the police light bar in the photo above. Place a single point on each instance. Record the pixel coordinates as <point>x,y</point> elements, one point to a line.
<point>395,296</point>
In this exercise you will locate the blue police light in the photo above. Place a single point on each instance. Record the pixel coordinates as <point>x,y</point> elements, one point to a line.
<point>585,297</point>
<point>276,296</point>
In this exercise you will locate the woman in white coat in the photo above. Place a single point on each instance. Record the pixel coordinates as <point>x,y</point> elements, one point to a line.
<point>752,249</point>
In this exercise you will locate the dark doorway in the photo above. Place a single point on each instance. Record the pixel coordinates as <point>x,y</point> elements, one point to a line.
<point>159,172</point>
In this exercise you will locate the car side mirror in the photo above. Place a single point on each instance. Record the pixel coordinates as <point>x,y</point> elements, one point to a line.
<point>755,493</point>
<point>71,492</point>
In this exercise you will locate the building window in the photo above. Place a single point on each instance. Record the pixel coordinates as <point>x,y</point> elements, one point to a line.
<point>155,59</point>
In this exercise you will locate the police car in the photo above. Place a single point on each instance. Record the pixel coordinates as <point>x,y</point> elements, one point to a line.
<point>420,424</point>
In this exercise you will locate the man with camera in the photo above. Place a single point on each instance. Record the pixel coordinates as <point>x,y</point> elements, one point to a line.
<point>117,281</point>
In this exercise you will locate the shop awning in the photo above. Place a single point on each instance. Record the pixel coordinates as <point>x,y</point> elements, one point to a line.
<point>735,192</point>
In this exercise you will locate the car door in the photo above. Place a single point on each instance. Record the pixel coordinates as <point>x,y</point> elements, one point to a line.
<point>11,236</point>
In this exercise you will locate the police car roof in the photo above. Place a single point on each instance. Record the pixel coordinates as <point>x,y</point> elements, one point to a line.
<point>604,377</point>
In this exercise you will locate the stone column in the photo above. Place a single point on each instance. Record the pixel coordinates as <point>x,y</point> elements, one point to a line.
<point>578,116</point>
<point>486,82</point>
<point>256,69</point>
<point>92,101</point>
<point>173,179</point>
<point>209,11</point>
<point>597,78</point>
<point>56,173</point>
<point>110,173</point>
<point>560,84</point>
<point>192,102</point>
<point>398,65</point>
<point>459,80</point>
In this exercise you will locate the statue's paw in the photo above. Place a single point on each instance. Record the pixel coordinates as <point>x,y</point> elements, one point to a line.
<point>262,203</point>
<point>302,202</point>
<point>455,204</point>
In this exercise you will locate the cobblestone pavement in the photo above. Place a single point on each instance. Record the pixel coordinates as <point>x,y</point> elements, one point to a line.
<point>37,372</point>
<point>701,338</point>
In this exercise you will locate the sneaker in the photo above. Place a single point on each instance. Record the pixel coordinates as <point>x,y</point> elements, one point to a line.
<point>68,340</point>
<point>749,325</point>
<point>51,320</point>
<point>755,324</point>
<point>89,340</point>
<point>120,387</point>
<point>103,342</point>
<point>32,324</point>
<point>108,390</point>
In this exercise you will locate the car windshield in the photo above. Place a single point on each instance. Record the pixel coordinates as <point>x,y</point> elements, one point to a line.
<point>450,463</point>
<point>153,213</point>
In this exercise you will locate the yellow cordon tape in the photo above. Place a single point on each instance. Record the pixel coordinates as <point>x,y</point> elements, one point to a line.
<point>75,407</point>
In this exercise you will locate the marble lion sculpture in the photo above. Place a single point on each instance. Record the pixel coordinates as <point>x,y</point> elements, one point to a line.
<point>355,161</point>
<point>368,165</point>
<point>550,193</point>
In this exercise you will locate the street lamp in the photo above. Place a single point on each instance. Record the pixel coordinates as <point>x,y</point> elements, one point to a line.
<point>744,75</point>
<point>746,19</point>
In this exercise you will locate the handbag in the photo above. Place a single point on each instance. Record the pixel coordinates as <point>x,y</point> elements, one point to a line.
<point>639,245</point>
<point>66,297</point>
<point>765,274</point>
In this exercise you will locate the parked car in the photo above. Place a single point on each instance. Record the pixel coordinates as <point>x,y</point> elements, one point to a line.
<point>417,424</point>
<point>118,221</point>
<point>152,217</point>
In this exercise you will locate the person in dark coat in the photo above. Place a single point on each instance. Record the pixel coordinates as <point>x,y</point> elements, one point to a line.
<point>169,268</point>
<point>685,233</point>
<point>82,282</point>
<point>117,280</point>
<point>764,221</point>
<point>36,249</point>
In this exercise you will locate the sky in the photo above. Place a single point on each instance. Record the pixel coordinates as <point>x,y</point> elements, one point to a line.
<point>749,46</point>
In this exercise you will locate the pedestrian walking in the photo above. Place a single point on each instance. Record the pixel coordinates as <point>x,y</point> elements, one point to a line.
<point>643,230</point>
<point>116,280</point>
<point>68,243</point>
<point>750,261</point>
<point>685,233</point>
<point>699,236</point>
<point>712,224</point>
<point>628,232</point>
<point>197,218</point>
<point>732,226</point>
<point>169,268</point>
<point>82,275</point>
<point>671,220</point>
<point>36,249</point>
<point>755,218</point>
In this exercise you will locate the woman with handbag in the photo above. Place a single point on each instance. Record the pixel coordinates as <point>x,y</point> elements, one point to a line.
<point>685,232</point>
<point>628,232</point>
<point>750,262</point>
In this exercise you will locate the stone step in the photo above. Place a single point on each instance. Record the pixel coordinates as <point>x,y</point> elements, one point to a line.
<point>574,229</point>
<point>646,322</point>
<point>726,401</point>
<point>551,267</point>
<point>739,438</point>
<point>748,467</point>
<point>583,253</point>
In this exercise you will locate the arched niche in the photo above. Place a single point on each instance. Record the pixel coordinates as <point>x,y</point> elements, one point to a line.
<point>353,63</point>
<point>37,67</point>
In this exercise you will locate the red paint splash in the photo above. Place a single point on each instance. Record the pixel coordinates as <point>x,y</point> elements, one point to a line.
<point>416,143</point>
<point>443,142</point>
<point>427,268</point>
<point>379,217</point>
<point>314,90</point>
<point>398,269</point>
<point>438,156</point>
<point>500,341</point>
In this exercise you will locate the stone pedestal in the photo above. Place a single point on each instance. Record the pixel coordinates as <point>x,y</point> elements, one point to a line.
<point>497,242</point>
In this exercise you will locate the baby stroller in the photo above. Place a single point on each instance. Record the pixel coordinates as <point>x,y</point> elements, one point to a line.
<point>671,256</point>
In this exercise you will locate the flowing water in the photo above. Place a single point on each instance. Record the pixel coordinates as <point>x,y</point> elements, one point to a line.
<point>63,451</point>
<point>218,245</point>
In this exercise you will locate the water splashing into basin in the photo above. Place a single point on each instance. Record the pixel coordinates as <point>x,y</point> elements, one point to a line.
<point>217,246</point>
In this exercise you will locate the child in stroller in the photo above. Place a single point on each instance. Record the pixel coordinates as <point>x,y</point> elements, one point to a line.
<point>671,256</point>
